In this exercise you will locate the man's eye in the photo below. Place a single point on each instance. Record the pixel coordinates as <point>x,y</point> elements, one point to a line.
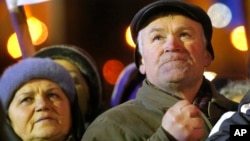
<point>184,34</point>
<point>158,37</point>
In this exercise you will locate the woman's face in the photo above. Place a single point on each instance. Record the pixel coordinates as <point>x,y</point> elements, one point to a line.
<point>40,110</point>
<point>80,84</point>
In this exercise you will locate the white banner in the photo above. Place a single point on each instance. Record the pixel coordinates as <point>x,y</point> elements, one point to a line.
<point>14,3</point>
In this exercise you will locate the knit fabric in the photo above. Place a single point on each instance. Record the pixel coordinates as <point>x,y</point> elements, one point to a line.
<point>34,68</point>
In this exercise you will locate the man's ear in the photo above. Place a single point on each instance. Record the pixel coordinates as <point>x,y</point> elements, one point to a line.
<point>142,67</point>
<point>208,59</point>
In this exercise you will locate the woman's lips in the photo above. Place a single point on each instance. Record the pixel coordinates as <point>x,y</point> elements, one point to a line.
<point>46,118</point>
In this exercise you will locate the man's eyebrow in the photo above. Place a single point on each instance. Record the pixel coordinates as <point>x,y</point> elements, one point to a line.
<point>156,29</point>
<point>184,27</point>
<point>179,28</point>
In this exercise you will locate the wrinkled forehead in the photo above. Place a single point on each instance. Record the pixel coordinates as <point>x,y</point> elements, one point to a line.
<point>160,15</point>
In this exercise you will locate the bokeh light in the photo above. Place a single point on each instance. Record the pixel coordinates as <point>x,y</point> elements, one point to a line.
<point>220,15</point>
<point>13,47</point>
<point>111,70</point>
<point>209,75</point>
<point>38,32</point>
<point>238,38</point>
<point>129,37</point>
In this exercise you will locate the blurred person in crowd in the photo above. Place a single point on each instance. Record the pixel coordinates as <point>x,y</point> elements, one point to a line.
<point>84,72</point>
<point>127,84</point>
<point>235,89</point>
<point>221,130</point>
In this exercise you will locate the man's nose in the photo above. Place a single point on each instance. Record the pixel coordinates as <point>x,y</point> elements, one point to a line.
<point>171,44</point>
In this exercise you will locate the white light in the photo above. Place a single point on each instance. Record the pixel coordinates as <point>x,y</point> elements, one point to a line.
<point>220,15</point>
<point>209,75</point>
<point>12,4</point>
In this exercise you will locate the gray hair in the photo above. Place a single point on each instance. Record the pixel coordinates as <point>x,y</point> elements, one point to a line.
<point>140,43</point>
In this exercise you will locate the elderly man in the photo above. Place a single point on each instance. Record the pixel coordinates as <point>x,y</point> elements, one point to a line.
<point>175,102</point>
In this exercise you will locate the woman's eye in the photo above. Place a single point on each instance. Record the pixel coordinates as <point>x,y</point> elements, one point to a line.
<point>53,95</point>
<point>26,100</point>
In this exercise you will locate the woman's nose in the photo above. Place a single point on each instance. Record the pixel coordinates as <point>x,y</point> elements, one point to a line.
<point>41,104</point>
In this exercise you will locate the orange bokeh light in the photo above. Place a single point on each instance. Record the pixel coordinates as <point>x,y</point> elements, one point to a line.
<point>111,70</point>
<point>238,38</point>
<point>13,47</point>
<point>38,32</point>
<point>129,39</point>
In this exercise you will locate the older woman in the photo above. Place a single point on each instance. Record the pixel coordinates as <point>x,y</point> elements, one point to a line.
<point>40,101</point>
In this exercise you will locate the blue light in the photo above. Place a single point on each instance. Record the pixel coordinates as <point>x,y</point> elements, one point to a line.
<point>237,12</point>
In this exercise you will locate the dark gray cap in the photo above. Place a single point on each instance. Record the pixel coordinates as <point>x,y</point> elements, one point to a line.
<point>194,12</point>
